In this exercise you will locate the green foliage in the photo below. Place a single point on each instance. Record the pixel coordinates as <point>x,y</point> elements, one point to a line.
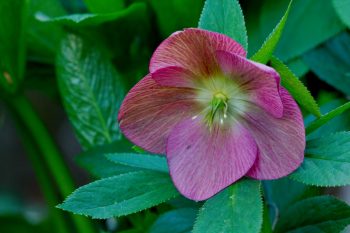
<point>295,87</point>
<point>304,30</point>
<point>121,195</point>
<point>298,67</point>
<point>175,221</point>
<point>238,209</point>
<point>266,225</point>
<point>10,205</point>
<point>282,193</point>
<point>174,15</point>
<point>16,224</point>
<point>326,117</point>
<point>12,43</point>
<point>94,161</point>
<point>323,214</point>
<point>91,90</point>
<point>105,6</point>
<point>331,62</point>
<point>264,54</point>
<point>342,7</point>
<point>12,216</point>
<point>89,19</point>
<point>337,124</point>
<point>43,39</point>
<point>139,149</point>
<point>327,161</point>
<point>226,17</point>
<point>142,161</point>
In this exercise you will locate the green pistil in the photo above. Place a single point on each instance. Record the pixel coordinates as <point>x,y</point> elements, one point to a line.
<point>218,103</point>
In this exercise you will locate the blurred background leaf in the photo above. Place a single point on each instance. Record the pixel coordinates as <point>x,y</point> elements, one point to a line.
<point>174,15</point>
<point>331,62</point>
<point>304,30</point>
<point>175,221</point>
<point>106,6</point>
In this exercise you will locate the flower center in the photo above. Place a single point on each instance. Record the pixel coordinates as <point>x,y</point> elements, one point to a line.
<point>219,106</point>
<point>220,100</point>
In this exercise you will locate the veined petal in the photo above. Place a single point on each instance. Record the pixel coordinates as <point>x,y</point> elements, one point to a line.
<point>204,161</point>
<point>174,76</point>
<point>149,112</point>
<point>260,82</point>
<point>281,142</point>
<point>193,49</point>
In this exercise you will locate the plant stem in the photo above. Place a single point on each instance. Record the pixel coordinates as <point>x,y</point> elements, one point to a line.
<point>50,153</point>
<point>43,179</point>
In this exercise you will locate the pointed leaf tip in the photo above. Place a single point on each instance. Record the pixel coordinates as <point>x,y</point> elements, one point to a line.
<point>264,54</point>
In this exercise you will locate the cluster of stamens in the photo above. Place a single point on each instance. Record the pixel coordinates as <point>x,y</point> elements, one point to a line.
<point>219,107</point>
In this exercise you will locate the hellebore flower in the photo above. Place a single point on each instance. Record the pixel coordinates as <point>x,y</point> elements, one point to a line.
<point>215,114</point>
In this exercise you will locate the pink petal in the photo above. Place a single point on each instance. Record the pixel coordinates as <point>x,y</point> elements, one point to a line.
<point>204,162</point>
<point>281,142</point>
<point>149,112</point>
<point>193,49</point>
<point>259,81</point>
<point>174,76</point>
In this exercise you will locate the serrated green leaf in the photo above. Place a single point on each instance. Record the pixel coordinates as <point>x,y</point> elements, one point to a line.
<point>121,195</point>
<point>105,6</point>
<point>142,161</point>
<point>187,14</point>
<point>12,43</point>
<point>88,19</point>
<point>326,117</point>
<point>91,90</point>
<point>322,214</point>
<point>327,161</point>
<point>342,7</point>
<point>265,52</point>
<point>331,62</point>
<point>295,87</point>
<point>226,17</point>
<point>94,160</point>
<point>175,221</point>
<point>237,209</point>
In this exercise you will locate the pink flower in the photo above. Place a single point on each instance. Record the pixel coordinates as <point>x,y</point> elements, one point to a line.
<point>215,114</point>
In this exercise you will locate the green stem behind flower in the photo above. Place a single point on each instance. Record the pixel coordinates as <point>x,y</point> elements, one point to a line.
<point>50,154</point>
<point>43,179</point>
